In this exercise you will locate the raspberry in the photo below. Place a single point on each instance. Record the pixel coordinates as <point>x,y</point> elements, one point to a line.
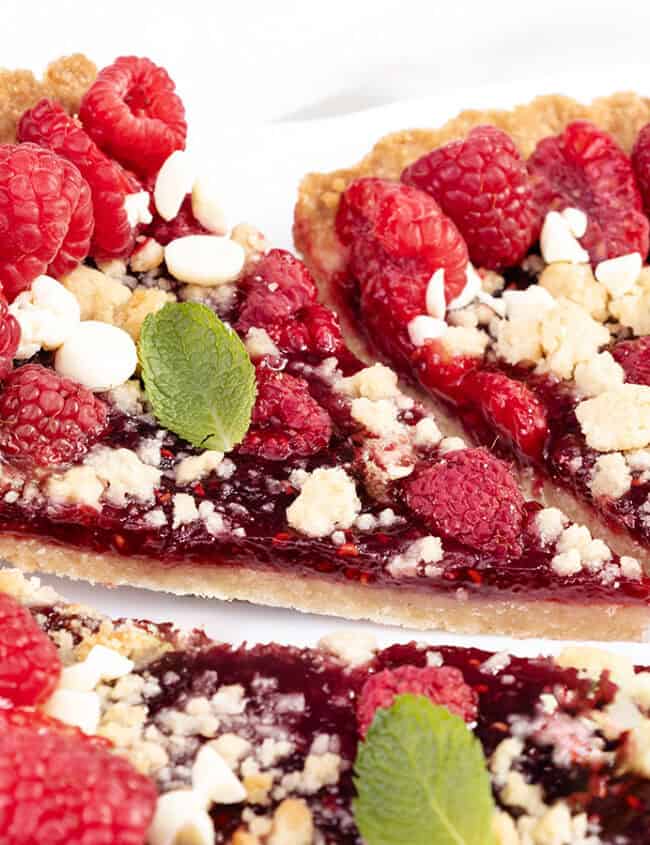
<point>443,685</point>
<point>134,115</point>
<point>511,408</point>
<point>390,299</point>
<point>46,216</point>
<point>278,287</point>
<point>49,125</point>
<point>482,184</point>
<point>471,497</point>
<point>9,338</point>
<point>585,168</point>
<point>47,418</point>
<point>287,420</point>
<point>313,330</point>
<point>641,164</point>
<point>185,223</point>
<point>405,226</point>
<point>65,790</point>
<point>441,372</point>
<point>634,357</point>
<point>29,662</point>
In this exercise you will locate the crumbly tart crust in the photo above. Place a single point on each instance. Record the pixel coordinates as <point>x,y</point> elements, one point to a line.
<point>410,608</point>
<point>65,80</point>
<point>622,114</point>
<point>566,745</point>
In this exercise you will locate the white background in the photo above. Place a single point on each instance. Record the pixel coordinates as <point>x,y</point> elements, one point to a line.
<point>275,88</point>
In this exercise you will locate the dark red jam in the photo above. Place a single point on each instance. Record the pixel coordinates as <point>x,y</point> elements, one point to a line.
<point>619,805</point>
<point>566,458</point>
<point>253,497</point>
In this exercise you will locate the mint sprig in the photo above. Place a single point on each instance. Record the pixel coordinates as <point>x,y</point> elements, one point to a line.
<point>197,375</point>
<point>421,778</point>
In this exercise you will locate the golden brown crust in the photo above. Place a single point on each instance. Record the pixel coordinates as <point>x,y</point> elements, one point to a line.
<point>420,609</point>
<point>318,197</point>
<point>66,80</point>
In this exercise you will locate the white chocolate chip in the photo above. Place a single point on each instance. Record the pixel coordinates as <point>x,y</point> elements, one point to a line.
<point>527,305</point>
<point>576,221</point>
<point>181,813</point>
<point>558,243</point>
<point>423,328</point>
<point>79,708</point>
<point>470,291</point>
<point>619,275</point>
<point>206,260</point>
<point>206,207</point>
<point>435,295</point>
<point>102,663</point>
<point>47,314</point>
<point>173,183</point>
<point>137,208</point>
<point>97,355</point>
<point>213,778</point>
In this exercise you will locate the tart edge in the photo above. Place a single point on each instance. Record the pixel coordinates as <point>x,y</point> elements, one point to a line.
<point>415,609</point>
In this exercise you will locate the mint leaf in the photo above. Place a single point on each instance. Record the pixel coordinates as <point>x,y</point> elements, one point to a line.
<point>421,778</point>
<point>197,375</point>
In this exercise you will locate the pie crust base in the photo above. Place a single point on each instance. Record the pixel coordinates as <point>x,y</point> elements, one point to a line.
<point>419,609</point>
<point>622,114</point>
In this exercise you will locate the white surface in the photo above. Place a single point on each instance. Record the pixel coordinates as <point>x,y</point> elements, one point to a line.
<point>246,71</point>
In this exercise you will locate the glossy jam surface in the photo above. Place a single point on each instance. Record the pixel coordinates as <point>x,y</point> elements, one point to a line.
<point>252,495</point>
<point>619,805</point>
<point>567,459</point>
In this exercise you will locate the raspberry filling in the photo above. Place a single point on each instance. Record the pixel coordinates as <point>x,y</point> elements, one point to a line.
<point>300,694</point>
<point>257,483</point>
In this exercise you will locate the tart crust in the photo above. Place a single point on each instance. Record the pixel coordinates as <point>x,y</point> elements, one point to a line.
<point>622,114</point>
<point>411,608</point>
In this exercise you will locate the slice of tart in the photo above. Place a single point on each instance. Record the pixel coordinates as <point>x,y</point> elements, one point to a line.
<point>141,733</point>
<point>541,352</point>
<point>178,411</point>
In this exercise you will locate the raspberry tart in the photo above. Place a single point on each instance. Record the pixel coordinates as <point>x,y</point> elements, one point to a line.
<point>132,732</point>
<point>501,264</point>
<point>179,411</point>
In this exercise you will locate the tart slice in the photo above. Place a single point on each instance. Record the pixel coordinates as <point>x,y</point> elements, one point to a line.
<point>541,352</point>
<point>133,732</point>
<point>179,411</point>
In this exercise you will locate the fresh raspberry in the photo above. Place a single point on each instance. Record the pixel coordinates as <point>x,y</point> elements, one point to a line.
<point>313,330</point>
<point>29,662</point>
<point>405,226</point>
<point>511,408</point>
<point>49,125</point>
<point>441,372</point>
<point>482,184</point>
<point>443,685</point>
<point>185,223</point>
<point>9,338</point>
<point>46,216</point>
<point>134,115</point>
<point>64,790</point>
<point>277,287</point>
<point>641,164</point>
<point>390,299</point>
<point>472,497</point>
<point>634,357</point>
<point>287,420</point>
<point>585,168</point>
<point>48,419</point>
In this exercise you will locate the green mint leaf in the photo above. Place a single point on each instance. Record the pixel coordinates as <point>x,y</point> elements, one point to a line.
<point>421,779</point>
<point>197,375</point>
